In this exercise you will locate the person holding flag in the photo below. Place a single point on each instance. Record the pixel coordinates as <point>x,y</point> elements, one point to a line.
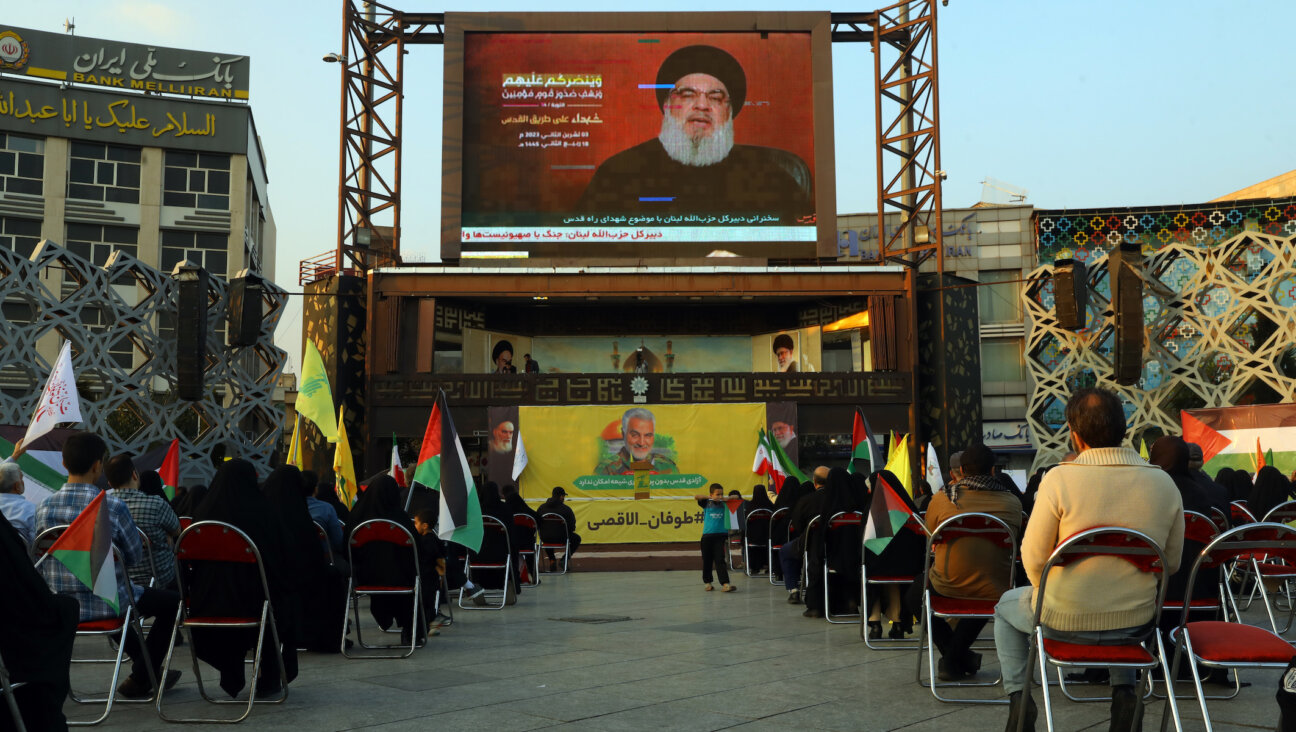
<point>715,534</point>
<point>81,565</point>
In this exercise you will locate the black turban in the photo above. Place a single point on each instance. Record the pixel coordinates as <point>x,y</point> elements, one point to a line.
<point>703,60</point>
<point>783,340</point>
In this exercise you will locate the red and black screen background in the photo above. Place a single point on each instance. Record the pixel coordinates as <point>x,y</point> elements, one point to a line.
<point>501,178</point>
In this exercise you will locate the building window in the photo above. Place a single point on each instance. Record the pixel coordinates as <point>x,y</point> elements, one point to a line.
<point>207,250</point>
<point>22,164</point>
<point>98,172</point>
<point>20,235</point>
<point>196,180</point>
<point>1002,360</point>
<point>1000,296</point>
<point>96,243</point>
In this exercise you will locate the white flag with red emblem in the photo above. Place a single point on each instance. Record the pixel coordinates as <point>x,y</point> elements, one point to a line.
<point>59,403</point>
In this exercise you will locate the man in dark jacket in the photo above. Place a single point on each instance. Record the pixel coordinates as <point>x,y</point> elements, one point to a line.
<point>551,534</point>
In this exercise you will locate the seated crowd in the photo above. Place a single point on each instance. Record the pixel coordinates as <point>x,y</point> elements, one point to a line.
<point>299,529</point>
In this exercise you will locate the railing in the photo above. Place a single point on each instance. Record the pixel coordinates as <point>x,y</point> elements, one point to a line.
<point>317,267</point>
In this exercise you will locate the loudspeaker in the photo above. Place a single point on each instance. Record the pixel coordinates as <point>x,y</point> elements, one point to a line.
<point>244,309</point>
<point>191,330</point>
<point>1124,273</point>
<point>1071,294</point>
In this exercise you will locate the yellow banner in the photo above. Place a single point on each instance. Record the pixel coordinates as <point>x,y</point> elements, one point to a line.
<point>636,522</point>
<point>590,450</point>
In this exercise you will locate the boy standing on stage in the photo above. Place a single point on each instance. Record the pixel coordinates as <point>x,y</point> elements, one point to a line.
<point>715,533</point>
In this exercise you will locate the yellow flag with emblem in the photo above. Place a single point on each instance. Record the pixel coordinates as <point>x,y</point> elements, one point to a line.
<point>899,464</point>
<point>343,465</point>
<point>315,396</point>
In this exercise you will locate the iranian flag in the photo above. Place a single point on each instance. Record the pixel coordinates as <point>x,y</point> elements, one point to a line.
<point>86,550</point>
<point>1244,438</point>
<point>771,460</point>
<point>443,467</point>
<point>888,513</point>
<point>862,445</point>
<point>396,472</point>
<point>169,471</point>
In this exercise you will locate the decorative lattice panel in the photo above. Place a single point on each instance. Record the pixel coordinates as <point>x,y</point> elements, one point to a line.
<point>120,319</point>
<point>1089,234</point>
<point>1220,331</point>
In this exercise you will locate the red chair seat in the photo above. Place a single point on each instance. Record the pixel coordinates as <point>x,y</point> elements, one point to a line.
<point>891,579</point>
<point>1097,655</point>
<point>101,625</point>
<point>1217,641</point>
<point>492,565</point>
<point>220,620</point>
<point>961,606</point>
<point>1273,569</point>
<point>1205,603</point>
<point>384,588</point>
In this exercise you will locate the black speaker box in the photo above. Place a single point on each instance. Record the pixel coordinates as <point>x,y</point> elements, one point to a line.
<point>1071,294</point>
<point>1124,273</point>
<point>191,330</point>
<point>244,309</point>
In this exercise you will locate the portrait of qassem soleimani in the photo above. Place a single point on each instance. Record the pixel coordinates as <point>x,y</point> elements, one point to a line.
<point>693,166</point>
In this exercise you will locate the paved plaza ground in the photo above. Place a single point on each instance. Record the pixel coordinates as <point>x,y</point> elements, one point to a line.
<point>684,660</point>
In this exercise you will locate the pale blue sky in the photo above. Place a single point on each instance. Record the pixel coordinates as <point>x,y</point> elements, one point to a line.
<point>1082,103</point>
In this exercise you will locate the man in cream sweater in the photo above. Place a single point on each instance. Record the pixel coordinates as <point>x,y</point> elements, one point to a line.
<point>1100,598</point>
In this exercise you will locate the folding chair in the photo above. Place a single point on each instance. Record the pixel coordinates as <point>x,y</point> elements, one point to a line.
<point>983,527</point>
<point>1278,571</point>
<point>44,540</point>
<point>324,542</point>
<point>496,554</point>
<point>372,532</point>
<point>1222,644</point>
<point>7,688</point>
<point>735,541</point>
<point>202,545</point>
<point>778,536</point>
<point>551,522</point>
<point>1240,514</point>
<point>1219,518</point>
<point>114,629</point>
<point>185,522</point>
<point>148,555</point>
<point>839,523</point>
<point>914,524</point>
<point>759,517</point>
<point>1145,555</point>
<point>529,555</point>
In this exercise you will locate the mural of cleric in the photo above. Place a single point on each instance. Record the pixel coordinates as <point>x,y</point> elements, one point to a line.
<point>693,165</point>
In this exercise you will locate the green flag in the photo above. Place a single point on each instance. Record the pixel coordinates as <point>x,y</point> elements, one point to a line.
<point>314,395</point>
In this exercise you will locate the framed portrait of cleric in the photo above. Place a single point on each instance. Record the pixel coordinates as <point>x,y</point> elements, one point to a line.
<point>632,135</point>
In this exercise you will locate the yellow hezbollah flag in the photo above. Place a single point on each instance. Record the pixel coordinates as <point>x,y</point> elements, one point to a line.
<point>295,446</point>
<point>343,467</point>
<point>899,463</point>
<point>315,396</point>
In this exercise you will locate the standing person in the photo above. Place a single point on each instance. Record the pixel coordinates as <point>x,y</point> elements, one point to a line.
<point>152,514</point>
<point>1100,598</point>
<point>531,366</point>
<point>557,503</point>
<point>83,457</point>
<point>714,536</point>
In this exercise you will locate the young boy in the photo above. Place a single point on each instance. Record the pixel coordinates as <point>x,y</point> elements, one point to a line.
<point>432,554</point>
<point>715,533</point>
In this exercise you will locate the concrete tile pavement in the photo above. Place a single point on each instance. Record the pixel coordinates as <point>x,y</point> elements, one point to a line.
<point>684,659</point>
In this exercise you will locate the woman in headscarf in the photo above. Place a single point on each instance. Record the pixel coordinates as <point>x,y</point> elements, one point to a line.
<point>1239,487</point>
<point>37,629</point>
<point>150,484</point>
<point>1271,488</point>
<point>492,548</point>
<point>520,536</point>
<point>758,533</point>
<point>780,529</point>
<point>902,556</point>
<point>308,583</point>
<point>838,548</point>
<point>382,563</point>
<point>235,590</point>
<point>189,500</point>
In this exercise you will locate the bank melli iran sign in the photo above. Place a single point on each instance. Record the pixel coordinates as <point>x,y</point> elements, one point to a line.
<point>127,66</point>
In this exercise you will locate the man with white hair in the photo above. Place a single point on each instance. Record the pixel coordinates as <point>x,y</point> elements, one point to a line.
<point>15,507</point>
<point>693,165</point>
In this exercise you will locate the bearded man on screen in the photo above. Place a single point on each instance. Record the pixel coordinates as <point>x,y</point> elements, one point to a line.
<point>693,166</point>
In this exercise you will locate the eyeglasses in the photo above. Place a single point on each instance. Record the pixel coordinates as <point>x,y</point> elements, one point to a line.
<point>688,94</point>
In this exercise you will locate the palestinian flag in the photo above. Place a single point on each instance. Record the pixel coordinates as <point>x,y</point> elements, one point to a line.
<point>170,470</point>
<point>731,517</point>
<point>1210,440</point>
<point>396,472</point>
<point>460,518</point>
<point>862,445</point>
<point>86,550</point>
<point>888,513</point>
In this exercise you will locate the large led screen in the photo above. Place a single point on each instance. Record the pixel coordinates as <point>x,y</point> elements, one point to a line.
<point>639,142</point>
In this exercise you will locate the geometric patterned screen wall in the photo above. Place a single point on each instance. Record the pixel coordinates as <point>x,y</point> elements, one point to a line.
<point>1220,330</point>
<point>120,319</point>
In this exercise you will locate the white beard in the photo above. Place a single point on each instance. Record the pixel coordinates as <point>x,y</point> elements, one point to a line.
<point>706,150</point>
